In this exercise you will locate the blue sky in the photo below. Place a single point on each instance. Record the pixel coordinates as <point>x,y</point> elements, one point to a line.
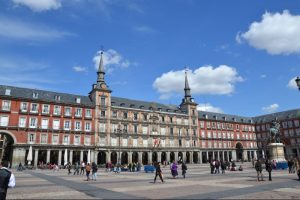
<point>242,56</point>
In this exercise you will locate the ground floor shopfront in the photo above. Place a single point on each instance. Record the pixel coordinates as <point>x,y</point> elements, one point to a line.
<point>62,154</point>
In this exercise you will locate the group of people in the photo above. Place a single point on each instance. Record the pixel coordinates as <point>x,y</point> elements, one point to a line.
<point>215,166</point>
<point>173,168</point>
<point>84,169</point>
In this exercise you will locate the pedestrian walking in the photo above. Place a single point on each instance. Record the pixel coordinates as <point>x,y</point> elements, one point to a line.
<point>76,168</point>
<point>69,167</point>
<point>223,167</point>
<point>87,171</point>
<point>217,167</point>
<point>297,166</point>
<point>7,179</point>
<point>82,168</point>
<point>174,171</point>
<point>258,168</point>
<point>183,168</point>
<point>212,166</point>
<point>158,172</point>
<point>94,171</point>
<point>269,169</point>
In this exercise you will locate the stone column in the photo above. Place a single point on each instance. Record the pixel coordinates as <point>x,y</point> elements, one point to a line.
<point>159,156</point>
<point>245,155</point>
<point>140,157</point>
<point>213,155</point>
<point>129,157</point>
<point>207,156</point>
<point>71,156</point>
<point>223,156</point>
<point>59,157</point>
<point>233,155</point>
<point>150,157</point>
<point>108,160</point>
<point>218,155</point>
<point>191,157</point>
<point>176,156</point>
<point>184,156</point>
<point>168,156</point>
<point>36,156</point>
<point>48,156</point>
<point>255,155</point>
<point>200,157</point>
<point>92,156</point>
<point>96,156</point>
<point>81,156</point>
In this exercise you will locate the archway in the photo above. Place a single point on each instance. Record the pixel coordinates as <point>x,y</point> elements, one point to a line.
<point>101,159</point>
<point>145,158</point>
<point>113,157</point>
<point>42,157</point>
<point>124,158</point>
<point>172,156</point>
<point>135,157</point>
<point>154,157</point>
<point>163,156</point>
<point>204,157</point>
<point>53,156</point>
<point>180,157</point>
<point>76,157</point>
<point>6,146</point>
<point>195,157</point>
<point>239,151</point>
<point>188,160</point>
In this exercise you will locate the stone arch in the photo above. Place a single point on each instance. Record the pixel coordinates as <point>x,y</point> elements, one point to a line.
<point>195,157</point>
<point>101,159</point>
<point>7,140</point>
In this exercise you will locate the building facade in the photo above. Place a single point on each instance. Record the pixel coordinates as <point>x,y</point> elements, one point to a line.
<point>102,128</point>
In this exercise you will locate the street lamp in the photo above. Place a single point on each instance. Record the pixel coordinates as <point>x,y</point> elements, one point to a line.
<point>297,80</point>
<point>119,131</point>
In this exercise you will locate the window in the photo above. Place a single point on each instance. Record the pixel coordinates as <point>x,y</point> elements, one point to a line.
<point>163,143</point>
<point>135,129</point>
<point>134,143</point>
<point>124,142</point>
<point>68,111</point>
<point>125,128</point>
<point>171,143</point>
<point>102,141</point>
<point>296,122</point>
<point>7,91</point>
<point>78,112</point>
<point>125,115</point>
<point>171,119</point>
<point>88,126</point>
<point>102,101</point>
<point>194,122</point>
<point>35,95</point>
<point>3,120</point>
<point>57,97</point>
<point>187,132</point>
<point>145,143</point>
<point>78,100</point>
<point>163,131</point>
<point>114,114</point>
<point>145,117</point>
<point>186,121</point>
<point>102,127</point>
<point>87,140</point>
<point>34,108</point>
<point>6,105</point>
<point>56,110</point>
<point>162,118</point>
<point>214,134</point>
<point>24,107</point>
<point>178,120</point>
<point>77,126</point>
<point>187,143</point>
<point>135,116</point>
<point>66,139</point>
<point>45,109</point>
<point>55,139</point>
<point>22,122</point>
<point>102,113</point>
<point>179,132</point>
<point>145,129</point>
<point>55,124</point>
<point>77,139</point>
<point>33,122</point>
<point>67,125</point>
<point>203,144</point>
<point>31,138</point>
<point>202,133</point>
<point>194,132</point>
<point>45,123</point>
<point>208,134</point>
<point>44,138</point>
<point>113,142</point>
<point>171,131</point>
<point>88,113</point>
<point>201,124</point>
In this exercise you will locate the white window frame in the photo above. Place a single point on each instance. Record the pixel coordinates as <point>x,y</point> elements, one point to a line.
<point>78,112</point>
<point>31,138</point>
<point>67,113</point>
<point>76,127</point>
<point>88,113</point>
<point>66,139</point>
<point>22,125</point>
<point>6,104</point>
<point>77,140</point>
<point>88,126</point>
<point>34,110</point>
<point>69,125</point>
<point>56,110</point>
<point>87,140</point>
<point>44,110</point>
<point>53,136</point>
<point>2,122</point>
<point>24,106</point>
<point>43,125</point>
<point>46,138</point>
<point>56,124</point>
<point>31,125</point>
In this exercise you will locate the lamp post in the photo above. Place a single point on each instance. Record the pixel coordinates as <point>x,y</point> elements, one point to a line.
<point>119,131</point>
<point>297,80</point>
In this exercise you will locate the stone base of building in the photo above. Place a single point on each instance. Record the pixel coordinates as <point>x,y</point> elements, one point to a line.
<point>276,152</point>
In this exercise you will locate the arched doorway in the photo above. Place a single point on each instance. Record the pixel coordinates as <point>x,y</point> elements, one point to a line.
<point>124,158</point>
<point>172,157</point>
<point>195,157</point>
<point>113,157</point>
<point>53,156</point>
<point>204,157</point>
<point>135,157</point>
<point>6,147</point>
<point>163,156</point>
<point>154,157</point>
<point>76,157</point>
<point>101,159</point>
<point>42,157</point>
<point>239,151</point>
<point>180,157</point>
<point>145,158</point>
<point>188,157</point>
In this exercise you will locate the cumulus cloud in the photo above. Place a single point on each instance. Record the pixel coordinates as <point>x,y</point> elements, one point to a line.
<point>208,107</point>
<point>111,60</point>
<point>17,29</point>
<point>271,108</point>
<point>79,69</point>
<point>292,84</point>
<point>204,80</point>
<point>39,5</point>
<point>276,33</point>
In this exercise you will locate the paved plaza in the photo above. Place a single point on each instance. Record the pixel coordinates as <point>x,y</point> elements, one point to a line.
<point>199,184</point>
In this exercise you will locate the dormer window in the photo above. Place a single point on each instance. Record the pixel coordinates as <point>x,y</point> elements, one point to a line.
<point>132,105</point>
<point>78,100</point>
<point>57,97</point>
<point>159,109</point>
<point>7,92</point>
<point>141,107</point>
<point>35,95</point>
<point>122,104</point>
<point>224,118</point>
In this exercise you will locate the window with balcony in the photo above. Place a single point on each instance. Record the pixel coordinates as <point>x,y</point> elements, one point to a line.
<point>24,107</point>
<point>145,117</point>
<point>134,142</point>
<point>102,113</point>
<point>55,139</point>
<point>135,129</point>
<point>125,115</point>
<point>66,139</point>
<point>77,126</point>
<point>55,124</point>
<point>56,110</point>
<point>102,127</point>
<point>33,122</point>
<point>3,120</point>
<point>44,138</point>
<point>67,111</point>
<point>102,101</point>
<point>113,142</point>
<point>6,105</point>
<point>88,113</point>
<point>171,131</point>
<point>22,122</point>
<point>102,141</point>
<point>135,116</point>
<point>45,109</point>
<point>67,125</point>
<point>77,139</point>
<point>78,112</point>
<point>45,123</point>
<point>34,108</point>
<point>87,140</point>
<point>114,114</point>
<point>31,138</point>
<point>88,126</point>
<point>145,129</point>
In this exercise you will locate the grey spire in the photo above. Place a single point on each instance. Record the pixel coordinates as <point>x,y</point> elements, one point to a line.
<point>187,90</point>
<point>100,71</point>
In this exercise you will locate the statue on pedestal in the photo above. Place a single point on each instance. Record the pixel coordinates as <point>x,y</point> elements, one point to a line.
<point>275,132</point>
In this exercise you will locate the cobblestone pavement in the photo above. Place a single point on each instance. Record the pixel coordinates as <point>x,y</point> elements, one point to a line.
<point>199,184</point>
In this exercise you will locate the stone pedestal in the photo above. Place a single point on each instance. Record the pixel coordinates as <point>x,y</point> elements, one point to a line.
<point>276,153</point>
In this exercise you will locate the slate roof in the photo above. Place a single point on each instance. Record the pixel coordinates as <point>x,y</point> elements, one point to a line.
<point>290,114</point>
<point>222,117</point>
<point>45,96</point>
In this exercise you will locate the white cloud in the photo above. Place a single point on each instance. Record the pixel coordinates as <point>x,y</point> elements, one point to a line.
<point>263,76</point>
<point>144,29</point>
<point>79,69</point>
<point>39,5</point>
<point>208,107</point>
<point>16,29</point>
<point>292,84</point>
<point>111,60</point>
<point>204,80</point>
<point>271,108</point>
<point>276,33</point>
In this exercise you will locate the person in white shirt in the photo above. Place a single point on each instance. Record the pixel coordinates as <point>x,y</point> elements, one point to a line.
<point>7,179</point>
